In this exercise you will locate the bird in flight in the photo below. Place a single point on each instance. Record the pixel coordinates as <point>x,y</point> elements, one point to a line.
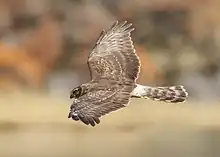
<point>114,67</point>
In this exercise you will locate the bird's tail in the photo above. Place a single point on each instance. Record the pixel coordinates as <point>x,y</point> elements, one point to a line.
<point>172,94</point>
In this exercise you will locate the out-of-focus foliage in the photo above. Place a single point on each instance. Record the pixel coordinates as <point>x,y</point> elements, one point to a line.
<point>45,44</point>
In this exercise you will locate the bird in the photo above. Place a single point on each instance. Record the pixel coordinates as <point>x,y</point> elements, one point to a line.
<point>114,68</point>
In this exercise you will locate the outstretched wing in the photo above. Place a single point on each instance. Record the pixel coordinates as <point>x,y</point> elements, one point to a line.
<point>91,106</point>
<point>113,56</point>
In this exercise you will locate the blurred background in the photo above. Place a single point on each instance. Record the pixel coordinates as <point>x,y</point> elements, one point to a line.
<point>44,46</point>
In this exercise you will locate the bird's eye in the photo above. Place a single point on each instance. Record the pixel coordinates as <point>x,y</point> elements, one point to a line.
<point>76,92</point>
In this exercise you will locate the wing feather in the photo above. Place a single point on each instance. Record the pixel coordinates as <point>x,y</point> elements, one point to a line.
<point>114,56</point>
<point>93,105</point>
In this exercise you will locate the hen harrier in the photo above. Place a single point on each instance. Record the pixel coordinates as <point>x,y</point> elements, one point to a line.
<point>114,68</point>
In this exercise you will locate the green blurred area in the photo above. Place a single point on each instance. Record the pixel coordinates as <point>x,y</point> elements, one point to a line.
<point>38,126</point>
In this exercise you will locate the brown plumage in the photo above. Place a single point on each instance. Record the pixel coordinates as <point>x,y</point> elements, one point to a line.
<point>114,68</point>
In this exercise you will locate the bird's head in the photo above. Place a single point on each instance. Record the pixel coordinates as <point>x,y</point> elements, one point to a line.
<point>76,92</point>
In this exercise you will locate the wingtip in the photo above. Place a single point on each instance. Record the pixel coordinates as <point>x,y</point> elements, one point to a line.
<point>121,23</point>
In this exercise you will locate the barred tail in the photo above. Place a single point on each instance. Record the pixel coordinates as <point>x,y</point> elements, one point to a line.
<point>173,94</point>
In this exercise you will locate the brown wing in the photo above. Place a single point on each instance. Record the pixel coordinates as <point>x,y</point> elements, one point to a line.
<point>91,106</point>
<point>113,56</point>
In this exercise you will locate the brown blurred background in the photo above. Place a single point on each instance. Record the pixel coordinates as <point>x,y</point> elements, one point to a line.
<point>44,45</point>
